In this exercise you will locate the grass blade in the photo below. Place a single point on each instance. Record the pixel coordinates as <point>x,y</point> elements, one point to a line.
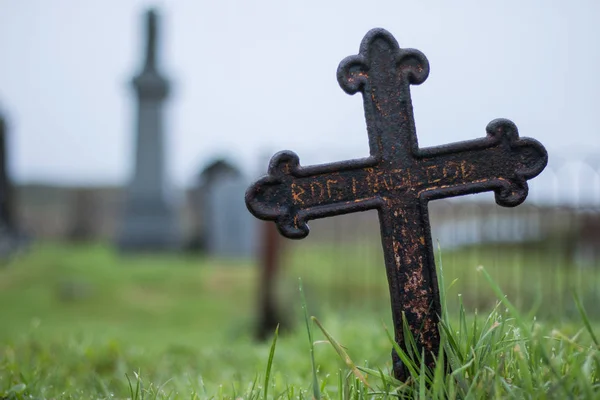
<point>340,385</point>
<point>342,353</point>
<point>442,285</point>
<point>422,387</point>
<point>406,360</point>
<point>270,362</point>
<point>585,318</point>
<point>316,390</point>
<point>384,378</point>
<point>130,386</point>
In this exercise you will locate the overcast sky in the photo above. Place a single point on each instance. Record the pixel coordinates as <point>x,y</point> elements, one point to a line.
<point>254,77</point>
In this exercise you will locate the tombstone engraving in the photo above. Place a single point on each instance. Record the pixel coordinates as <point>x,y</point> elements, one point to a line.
<point>150,221</point>
<point>398,179</point>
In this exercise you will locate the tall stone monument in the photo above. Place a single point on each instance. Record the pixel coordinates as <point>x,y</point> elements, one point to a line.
<point>150,220</point>
<point>6,215</point>
<point>12,239</point>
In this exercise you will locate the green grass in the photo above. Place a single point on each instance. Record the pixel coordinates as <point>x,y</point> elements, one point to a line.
<point>538,279</point>
<point>82,322</point>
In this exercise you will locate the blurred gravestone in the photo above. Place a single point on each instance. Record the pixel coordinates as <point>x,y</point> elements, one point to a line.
<point>586,242</point>
<point>83,210</point>
<point>213,172</point>
<point>150,221</point>
<point>11,238</point>
<point>228,230</point>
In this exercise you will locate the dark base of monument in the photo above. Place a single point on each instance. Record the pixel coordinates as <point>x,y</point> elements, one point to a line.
<point>12,243</point>
<point>149,227</point>
<point>146,246</point>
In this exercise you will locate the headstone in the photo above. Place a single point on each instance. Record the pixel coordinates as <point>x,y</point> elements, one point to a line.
<point>215,171</point>
<point>12,238</point>
<point>194,241</point>
<point>586,241</point>
<point>218,170</point>
<point>229,231</point>
<point>150,221</point>
<point>83,215</point>
<point>398,179</point>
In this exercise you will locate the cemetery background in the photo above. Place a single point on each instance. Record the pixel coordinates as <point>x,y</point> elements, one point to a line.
<point>545,247</point>
<point>193,304</point>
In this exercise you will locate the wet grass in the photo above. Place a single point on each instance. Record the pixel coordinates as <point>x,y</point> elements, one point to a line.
<point>83,322</point>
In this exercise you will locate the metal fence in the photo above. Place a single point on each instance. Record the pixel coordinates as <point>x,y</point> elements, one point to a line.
<point>540,253</point>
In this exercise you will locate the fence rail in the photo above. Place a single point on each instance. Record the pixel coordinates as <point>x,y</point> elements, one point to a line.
<point>540,252</point>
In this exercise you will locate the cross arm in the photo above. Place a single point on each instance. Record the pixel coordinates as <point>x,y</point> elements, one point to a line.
<point>291,195</point>
<point>501,162</point>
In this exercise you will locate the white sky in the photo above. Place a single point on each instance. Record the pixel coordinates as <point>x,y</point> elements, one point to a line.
<point>254,77</point>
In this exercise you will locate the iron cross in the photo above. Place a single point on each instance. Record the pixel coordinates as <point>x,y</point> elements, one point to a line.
<point>398,179</point>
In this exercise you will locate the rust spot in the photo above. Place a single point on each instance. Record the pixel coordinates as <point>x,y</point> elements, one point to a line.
<point>317,194</point>
<point>297,192</point>
<point>328,184</point>
<point>466,169</point>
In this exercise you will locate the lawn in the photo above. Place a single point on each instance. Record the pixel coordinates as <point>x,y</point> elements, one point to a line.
<point>84,322</point>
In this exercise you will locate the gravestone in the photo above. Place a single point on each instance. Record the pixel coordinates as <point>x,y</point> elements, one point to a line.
<point>216,170</point>
<point>12,239</point>
<point>585,241</point>
<point>82,215</point>
<point>228,230</point>
<point>150,220</point>
<point>398,179</point>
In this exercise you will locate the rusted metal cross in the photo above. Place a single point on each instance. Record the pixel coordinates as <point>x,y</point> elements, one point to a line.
<point>398,179</point>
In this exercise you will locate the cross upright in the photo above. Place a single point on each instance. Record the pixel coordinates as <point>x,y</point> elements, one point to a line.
<point>398,179</point>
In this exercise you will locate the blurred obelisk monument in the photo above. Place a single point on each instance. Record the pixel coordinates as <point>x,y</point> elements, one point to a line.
<point>12,239</point>
<point>150,220</point>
